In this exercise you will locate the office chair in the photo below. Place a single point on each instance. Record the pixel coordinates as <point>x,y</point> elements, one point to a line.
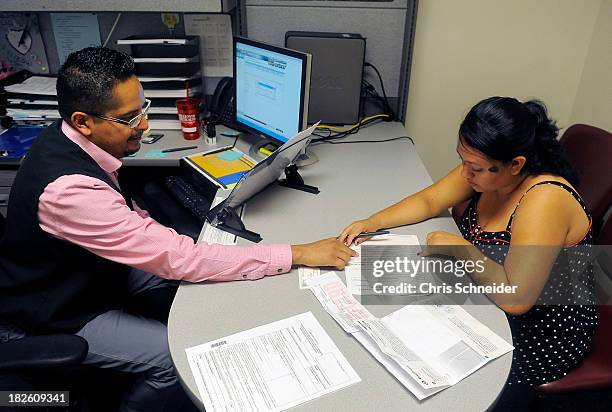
<point>595,371</point>
<point>27,363</point>
<point>589,150</point>
<point>53,362</point>
<point>24,362</point>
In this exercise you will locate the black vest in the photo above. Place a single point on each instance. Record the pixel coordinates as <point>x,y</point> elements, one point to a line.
<point>46,284</point>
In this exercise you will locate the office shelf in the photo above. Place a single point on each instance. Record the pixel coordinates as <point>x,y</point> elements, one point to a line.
<point>195,6</point>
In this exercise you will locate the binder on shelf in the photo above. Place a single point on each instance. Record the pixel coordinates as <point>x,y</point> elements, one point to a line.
<point>164,122</point>
<point>165,66</point>
<point>159,60</point>
<point>153,110</point>
<point>164,40</point>
<point>175,93</point>
<point>14,99</point>
<point>171,84</point>
<point>154,79</point>
<point>39,111</point>
<point>159,69</point>
<point>162,47</point>
<point>174,89</point>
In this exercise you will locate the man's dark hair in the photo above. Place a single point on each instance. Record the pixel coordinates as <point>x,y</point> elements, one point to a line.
<point>86,80</point>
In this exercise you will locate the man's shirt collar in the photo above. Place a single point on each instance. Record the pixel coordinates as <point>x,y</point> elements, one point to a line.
<point>105,160</point>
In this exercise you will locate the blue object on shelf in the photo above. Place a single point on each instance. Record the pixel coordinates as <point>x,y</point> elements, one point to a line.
<point>16,141</point>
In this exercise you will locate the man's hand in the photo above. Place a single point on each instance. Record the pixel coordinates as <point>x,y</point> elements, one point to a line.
<point>327,252</point>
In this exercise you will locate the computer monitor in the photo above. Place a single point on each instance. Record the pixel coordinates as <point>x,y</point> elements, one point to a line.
<point>272,89</point>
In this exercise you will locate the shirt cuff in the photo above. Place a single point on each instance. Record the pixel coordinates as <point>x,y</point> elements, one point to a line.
<point>280,259</point>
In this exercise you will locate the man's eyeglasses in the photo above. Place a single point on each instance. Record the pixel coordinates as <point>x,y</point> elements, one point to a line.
<point>131,123</point>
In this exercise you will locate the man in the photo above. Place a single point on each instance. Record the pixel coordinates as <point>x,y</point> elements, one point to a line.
<point>76,250</point>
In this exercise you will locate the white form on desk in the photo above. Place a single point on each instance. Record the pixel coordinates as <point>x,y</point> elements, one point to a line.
<point>358,284</point>
<point>270,368</point>
<point>306,274</point>
<point>427,346</point>
<point>434,345</point>
<point>338,302</point>
<point>211,234</point>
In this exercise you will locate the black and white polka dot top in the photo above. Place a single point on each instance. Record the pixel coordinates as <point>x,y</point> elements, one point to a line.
<point>556,333</point>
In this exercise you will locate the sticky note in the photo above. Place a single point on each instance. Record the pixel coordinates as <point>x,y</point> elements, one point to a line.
<point>229,155</point>
<point>155,153</point>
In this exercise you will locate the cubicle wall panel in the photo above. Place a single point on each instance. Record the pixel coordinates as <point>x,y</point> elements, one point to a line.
<point>7,177</point>
<point>6,181</point>
<point>376,4</point>
<point>382,27</point>
<point>4,196</point>
<point>201,6</point>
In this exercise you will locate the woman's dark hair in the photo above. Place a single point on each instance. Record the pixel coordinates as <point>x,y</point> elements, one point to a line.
<point>503,128</point>
<point>86,80</point>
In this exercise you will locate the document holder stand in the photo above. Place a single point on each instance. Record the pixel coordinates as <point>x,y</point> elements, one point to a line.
<point>293,180</point>
<point>225,218</point>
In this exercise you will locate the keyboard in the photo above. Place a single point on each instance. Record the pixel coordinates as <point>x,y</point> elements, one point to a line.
<point>190,198</point>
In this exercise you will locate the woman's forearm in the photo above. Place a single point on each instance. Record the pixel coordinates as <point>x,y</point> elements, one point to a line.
<point>412,209</point>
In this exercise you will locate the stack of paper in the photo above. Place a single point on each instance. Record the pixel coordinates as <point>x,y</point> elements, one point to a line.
<point>36,85</point>
<point>427,346</point>
<point>359,285</point>
<point>168,69</point>
<point>270,368</point>
<point>33,102</point>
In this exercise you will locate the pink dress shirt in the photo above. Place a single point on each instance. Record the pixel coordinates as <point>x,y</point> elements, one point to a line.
<point>86,211</point>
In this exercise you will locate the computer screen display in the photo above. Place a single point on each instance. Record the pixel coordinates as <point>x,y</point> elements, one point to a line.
<point>272,88</point>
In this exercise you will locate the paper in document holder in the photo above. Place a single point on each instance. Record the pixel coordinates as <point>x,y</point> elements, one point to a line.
<point>254,181</point>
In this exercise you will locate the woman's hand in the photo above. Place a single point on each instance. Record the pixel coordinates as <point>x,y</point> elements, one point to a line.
<point>349,234</point>
<point>443,243</point>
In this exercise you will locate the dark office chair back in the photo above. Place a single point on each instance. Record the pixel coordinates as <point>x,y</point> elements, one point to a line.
<point>581,141</point>
<point>35,355</point>
<point>589,150</point>
<point>605,234</point>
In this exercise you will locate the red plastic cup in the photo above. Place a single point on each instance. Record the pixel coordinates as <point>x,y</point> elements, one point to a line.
<point>189,116</point>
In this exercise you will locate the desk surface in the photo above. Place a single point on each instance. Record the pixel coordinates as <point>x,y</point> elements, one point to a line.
<point>148,153</point>
<point>355,180</point>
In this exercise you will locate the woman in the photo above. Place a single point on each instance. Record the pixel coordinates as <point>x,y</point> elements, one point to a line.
<point>526,216</point>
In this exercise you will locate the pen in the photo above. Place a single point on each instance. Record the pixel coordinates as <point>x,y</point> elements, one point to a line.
<point>230,134</point>
<point>377,233</point>
<point>178,149</point>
